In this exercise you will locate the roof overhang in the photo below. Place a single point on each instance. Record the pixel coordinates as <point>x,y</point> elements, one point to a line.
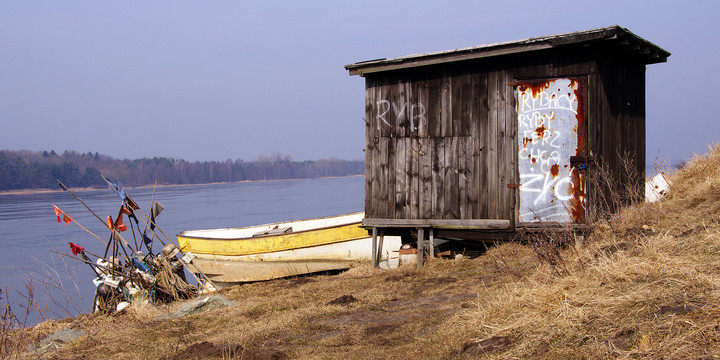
<point>613,36</point>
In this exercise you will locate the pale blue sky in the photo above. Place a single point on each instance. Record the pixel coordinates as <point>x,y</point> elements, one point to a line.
<point>218,80</point>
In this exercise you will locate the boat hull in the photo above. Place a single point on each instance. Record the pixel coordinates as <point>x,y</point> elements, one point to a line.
<point>225,273</point>
<point>229,256</point>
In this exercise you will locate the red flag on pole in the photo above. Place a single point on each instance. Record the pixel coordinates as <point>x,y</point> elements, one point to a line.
<point>118,224</point>
<point>65,217</point>
<point>58,212</point>
<point>76,248</point>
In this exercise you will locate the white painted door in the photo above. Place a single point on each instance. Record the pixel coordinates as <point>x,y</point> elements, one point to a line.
<point>550,132</point>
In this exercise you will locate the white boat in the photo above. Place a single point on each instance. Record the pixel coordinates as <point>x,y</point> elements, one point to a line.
<point>270,251</point>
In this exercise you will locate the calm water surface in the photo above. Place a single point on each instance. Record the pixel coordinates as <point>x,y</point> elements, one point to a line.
<point>29,231</point>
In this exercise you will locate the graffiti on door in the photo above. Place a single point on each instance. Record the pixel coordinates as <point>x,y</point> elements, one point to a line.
<point>549,116</point>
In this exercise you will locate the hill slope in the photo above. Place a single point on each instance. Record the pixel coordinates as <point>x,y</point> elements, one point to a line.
<point>643,285</point>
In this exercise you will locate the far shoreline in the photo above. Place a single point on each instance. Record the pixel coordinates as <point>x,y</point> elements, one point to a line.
<point>45,191</point>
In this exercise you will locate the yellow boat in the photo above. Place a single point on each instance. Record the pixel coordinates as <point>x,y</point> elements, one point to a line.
<point>270,251</point>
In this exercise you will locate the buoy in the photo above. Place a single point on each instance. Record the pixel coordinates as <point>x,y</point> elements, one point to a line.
<point>103,290</point>
<point>122,306</point>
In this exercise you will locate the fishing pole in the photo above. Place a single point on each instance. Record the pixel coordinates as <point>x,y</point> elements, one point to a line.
<point>107,244</point>
<point>117,191</point>
<point>114,226</point>
<point>78,199</point>
<point>96,216</point>
<point>152,204</point>
<point>106,268</point>
<point>115,236</point>
<point>132,229</point>
<point>185,264</point>
<point>80,248</point>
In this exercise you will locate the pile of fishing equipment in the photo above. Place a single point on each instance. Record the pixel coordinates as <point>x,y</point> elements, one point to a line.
<point>128,272</point>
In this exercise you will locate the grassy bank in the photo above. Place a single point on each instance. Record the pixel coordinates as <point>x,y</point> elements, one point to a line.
<point>643,285</point>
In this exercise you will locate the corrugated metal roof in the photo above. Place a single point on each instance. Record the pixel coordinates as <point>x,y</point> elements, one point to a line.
<point>616,36</point>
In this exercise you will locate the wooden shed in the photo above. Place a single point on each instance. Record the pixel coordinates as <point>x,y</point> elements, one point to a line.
<point>477,143</point>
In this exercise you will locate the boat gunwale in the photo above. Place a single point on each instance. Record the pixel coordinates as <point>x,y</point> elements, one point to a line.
<point>270,235</point>
<point>359,224</point>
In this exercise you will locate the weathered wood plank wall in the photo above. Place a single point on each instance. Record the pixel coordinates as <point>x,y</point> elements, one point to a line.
<point>441,141</point>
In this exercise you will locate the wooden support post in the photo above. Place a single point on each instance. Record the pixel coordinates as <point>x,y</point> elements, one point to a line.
<point>381,238</point>
<point>432,243</point>
<point>420,247</point>
<point>373,255</point>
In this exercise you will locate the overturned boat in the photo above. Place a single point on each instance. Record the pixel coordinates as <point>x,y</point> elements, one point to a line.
<point>270,251</point>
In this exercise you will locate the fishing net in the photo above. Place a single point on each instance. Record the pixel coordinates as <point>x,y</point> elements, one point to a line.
<point>170,283</point>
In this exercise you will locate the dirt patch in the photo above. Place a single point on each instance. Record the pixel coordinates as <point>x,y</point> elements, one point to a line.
<point>379,329</point>
<point>376,318</point>
<point>343,300</point>
<point>692,230</point>
<point>208,350</point>
<point>398,313</point>
<point>387,335</point>
<point>676,309</point>
<point>623,339</point>
<point>254,313</point>
<point>441,280</point>
<point>437,302</point>
<point>477,348</point>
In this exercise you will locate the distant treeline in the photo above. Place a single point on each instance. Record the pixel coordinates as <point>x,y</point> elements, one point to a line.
<point>35,170</point>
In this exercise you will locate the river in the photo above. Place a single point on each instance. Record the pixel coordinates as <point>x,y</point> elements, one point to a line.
<point>30,235</point>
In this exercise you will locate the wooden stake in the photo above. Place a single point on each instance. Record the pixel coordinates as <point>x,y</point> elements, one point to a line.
<point>78,199</point>
<point>432,243</point>
<point>420,247</point>
<point>373,254</point>
<point>152,206</point>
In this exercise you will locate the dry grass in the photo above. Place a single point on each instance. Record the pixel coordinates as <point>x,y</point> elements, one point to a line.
<point>644,285</point>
